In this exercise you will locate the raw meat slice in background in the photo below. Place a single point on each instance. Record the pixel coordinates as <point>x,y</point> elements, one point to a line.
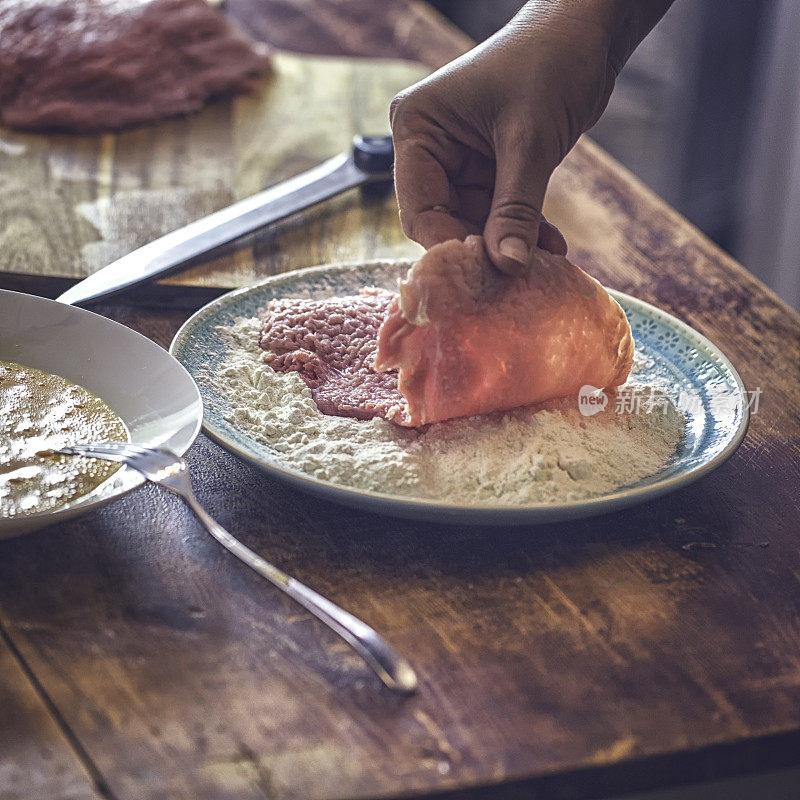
<point>92,65</point>
<point>468,339</point>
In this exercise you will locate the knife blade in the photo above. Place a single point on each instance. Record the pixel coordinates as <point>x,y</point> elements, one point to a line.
<point>369,162</point>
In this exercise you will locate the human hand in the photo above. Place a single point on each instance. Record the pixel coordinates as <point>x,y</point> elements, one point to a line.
<point>476,142</point>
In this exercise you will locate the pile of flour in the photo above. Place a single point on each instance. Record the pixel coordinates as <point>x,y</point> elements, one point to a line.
<point>548,453</point>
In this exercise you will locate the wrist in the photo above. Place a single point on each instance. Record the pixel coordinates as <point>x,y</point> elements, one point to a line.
<point>620,25</point>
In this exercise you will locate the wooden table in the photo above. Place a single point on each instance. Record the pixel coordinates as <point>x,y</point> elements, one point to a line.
<point>138,660</point>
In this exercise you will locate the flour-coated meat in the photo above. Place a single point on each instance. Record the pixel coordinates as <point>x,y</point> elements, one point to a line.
<point>331,344</point>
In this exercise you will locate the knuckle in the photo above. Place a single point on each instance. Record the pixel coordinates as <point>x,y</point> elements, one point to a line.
<point>401,109</point>
<point>517,210</point>
<point>396,106</point>
<point>410,111</point>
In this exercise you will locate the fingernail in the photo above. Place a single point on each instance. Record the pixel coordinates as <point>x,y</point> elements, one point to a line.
<point>514,247</point>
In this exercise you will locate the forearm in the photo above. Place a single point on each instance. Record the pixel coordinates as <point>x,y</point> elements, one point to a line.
<point>622,23</point>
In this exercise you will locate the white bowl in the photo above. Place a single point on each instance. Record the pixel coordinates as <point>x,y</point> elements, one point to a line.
<point>152,393</point>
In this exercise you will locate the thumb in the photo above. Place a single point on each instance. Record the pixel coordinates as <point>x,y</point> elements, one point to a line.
<point>423,193</point>
<point>512,228</point>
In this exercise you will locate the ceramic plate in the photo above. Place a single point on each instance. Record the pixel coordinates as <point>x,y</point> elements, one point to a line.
<point>152,393</point>
<point>711,394</point>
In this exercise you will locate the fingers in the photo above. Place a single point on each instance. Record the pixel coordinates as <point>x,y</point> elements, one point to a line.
<point>551,238</point>
<point>436,226</point>
<point>423,195</point>
<point>432,210</point>
<point>447,190</point>
<point>512,229</point>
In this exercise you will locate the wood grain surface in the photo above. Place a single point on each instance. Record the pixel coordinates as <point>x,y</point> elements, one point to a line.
<point>644,648</point>
<point>37,758</point>
<point>408,29</point>
<point>649,646</point>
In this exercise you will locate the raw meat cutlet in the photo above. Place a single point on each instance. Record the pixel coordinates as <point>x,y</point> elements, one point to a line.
<point>331,344</point>
<point>460,339</point>
<point>468,339</point>
<point>98,65</point>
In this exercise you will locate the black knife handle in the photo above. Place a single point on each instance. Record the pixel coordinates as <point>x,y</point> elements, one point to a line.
<point>373,153</point>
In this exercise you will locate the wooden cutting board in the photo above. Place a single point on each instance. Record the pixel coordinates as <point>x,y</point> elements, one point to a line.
<point>71,204</point>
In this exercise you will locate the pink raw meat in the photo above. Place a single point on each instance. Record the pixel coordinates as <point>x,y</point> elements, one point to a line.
<point>461,338</point>
<point>88,66</point>
<point>332,344</point>
<point>468,339</point>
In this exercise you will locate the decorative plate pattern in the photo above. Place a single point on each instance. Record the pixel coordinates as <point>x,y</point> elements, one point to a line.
<point>677,361</point>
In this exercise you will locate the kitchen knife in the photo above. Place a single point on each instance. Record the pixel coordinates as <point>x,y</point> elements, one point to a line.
<point>370,162</point>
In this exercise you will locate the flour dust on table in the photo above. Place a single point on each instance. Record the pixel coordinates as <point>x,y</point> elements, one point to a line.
<point>544,453</point>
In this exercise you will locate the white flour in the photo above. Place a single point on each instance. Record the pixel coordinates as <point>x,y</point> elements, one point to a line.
<point>549,453</point>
